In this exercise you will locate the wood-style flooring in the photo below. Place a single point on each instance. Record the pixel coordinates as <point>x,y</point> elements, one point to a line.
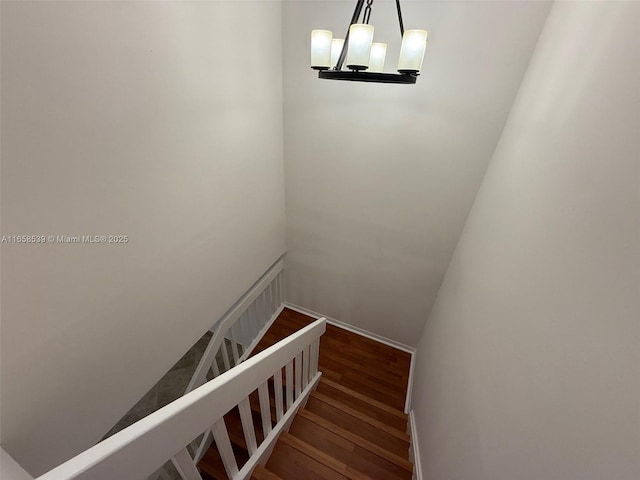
<point>352,426</point>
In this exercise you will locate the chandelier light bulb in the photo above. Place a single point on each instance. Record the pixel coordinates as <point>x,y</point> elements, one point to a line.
<point>378,53</point>
<point>321,49</point>
<point>414,43</point>
<point>359,46</point>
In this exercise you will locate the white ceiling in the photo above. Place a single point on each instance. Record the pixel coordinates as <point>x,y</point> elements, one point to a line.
<point>380,178</point>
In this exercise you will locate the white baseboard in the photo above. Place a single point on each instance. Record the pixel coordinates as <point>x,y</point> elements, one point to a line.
<point>351,328</point>
<point>407,403</point>
<point>414,451</point>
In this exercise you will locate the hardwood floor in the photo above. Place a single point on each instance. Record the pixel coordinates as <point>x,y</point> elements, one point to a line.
<point>352,426</point>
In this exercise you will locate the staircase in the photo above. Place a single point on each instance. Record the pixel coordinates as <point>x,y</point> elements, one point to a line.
<point>312,402</point>
<point>352,425</point>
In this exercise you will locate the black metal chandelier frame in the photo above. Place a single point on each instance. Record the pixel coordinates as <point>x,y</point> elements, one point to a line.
<point>336,73</point>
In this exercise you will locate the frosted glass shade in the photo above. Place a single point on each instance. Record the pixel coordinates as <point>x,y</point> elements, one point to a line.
<point>336,49</point>
<point>321,49</point>
<point>376,60</point>
<point>414,43</point>
<point>359,46</point>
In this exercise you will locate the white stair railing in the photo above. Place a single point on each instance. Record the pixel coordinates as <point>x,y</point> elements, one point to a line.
<point>243,326</point>
<point>137,451</point>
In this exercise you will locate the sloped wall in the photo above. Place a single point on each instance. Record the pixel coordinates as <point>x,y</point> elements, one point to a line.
<point>529,365</point>
<point>128,118</point>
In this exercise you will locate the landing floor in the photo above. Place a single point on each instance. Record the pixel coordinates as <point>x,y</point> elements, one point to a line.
<point>369,367</point>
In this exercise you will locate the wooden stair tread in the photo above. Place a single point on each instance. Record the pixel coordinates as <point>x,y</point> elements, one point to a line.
<point>323,458</point>
<point>331,355</point>
<point>319,457</point>
<point>399,434</point>
<point>261,473</point>
<point>367,405</point>
<point>397,360</point>
<point>363,443</point>
<point>358,426</point>
<point>350,456</point>
<point>380,369</point>
<point>364,384</point>
<point>289,463</point>
<point>372,401</point>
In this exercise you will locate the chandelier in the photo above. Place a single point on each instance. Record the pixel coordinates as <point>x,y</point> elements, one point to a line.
<point>364,58</point>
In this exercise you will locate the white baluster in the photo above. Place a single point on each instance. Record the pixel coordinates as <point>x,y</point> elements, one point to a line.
<point>185,466</point>
<point>223,443</point>
<point>289,383</point>
<point>254,315</point>
<point>244,329</point>
<point>247,425</point>
<point>267,306</point>
<point>265,408</point>
<point>277,387</point>
<point>225,355</point>
<point>263,309</point>
<point>282,287</point>
<point>298,372</point>
<point>253,318</point>
<point>234,344</point>
<point>214,367</point>
<point>305,366</point>
<point>272,302</point>
<point>315,357</point>
<point>207,440</point>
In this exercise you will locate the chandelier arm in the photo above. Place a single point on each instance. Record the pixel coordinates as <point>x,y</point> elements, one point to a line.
<point>400,18</point>
<point>354,19</point>
<point>367,12</point>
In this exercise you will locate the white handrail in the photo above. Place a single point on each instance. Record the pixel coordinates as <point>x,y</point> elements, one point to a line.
<point>137,451</point>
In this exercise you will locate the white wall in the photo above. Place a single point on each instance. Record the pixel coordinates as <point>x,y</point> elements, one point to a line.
<point>128,118</point>
<point>529,364</point>
<point>380,178</point>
